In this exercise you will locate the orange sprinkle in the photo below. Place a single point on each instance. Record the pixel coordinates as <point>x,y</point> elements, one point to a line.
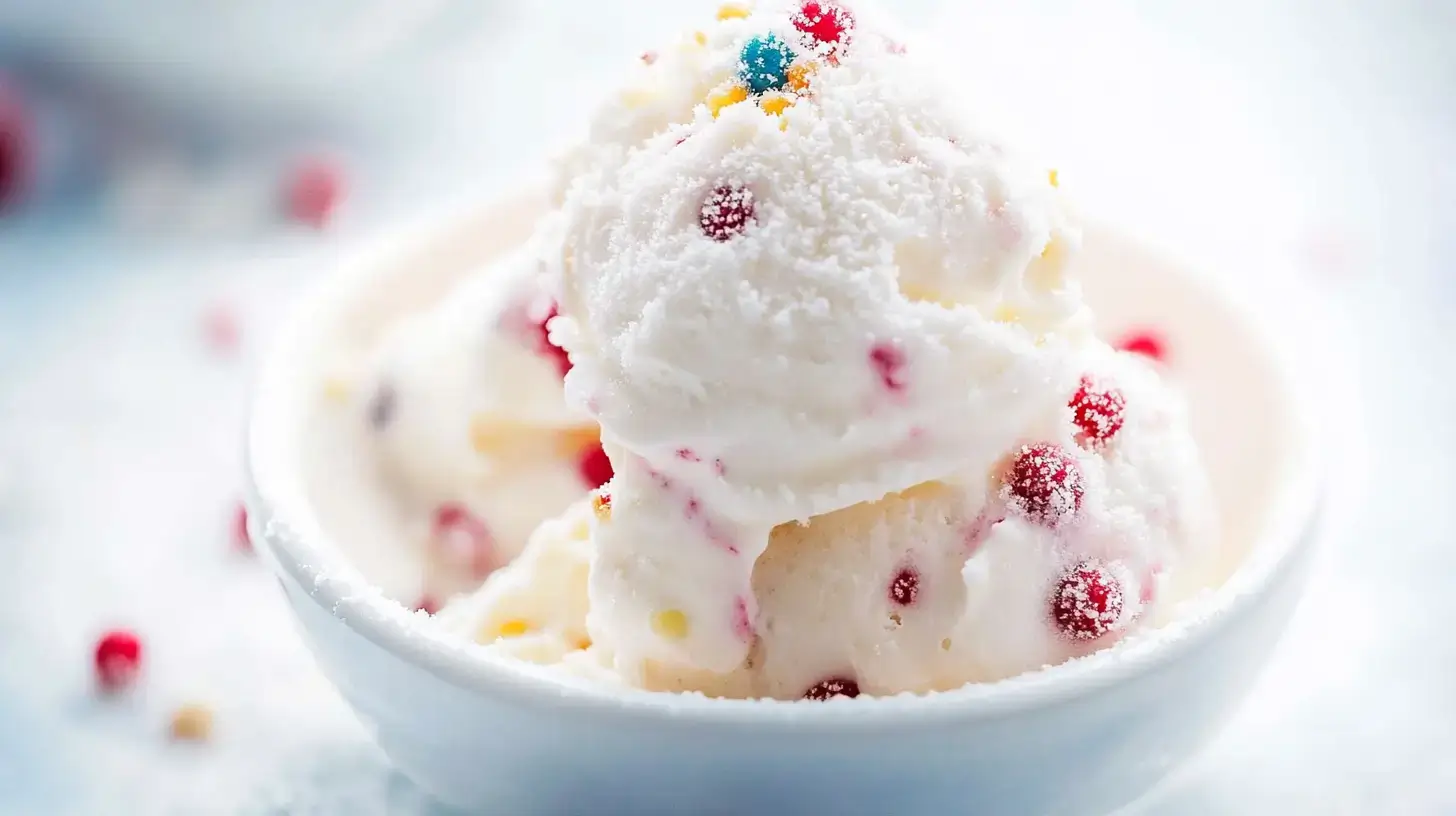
<point>799,74</point>
<point>191,723</point>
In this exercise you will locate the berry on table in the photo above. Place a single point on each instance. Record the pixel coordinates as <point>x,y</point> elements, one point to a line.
<point>118,660</point>
<point>727,212</point>
<point>1044,484</point>
<point>1097,411</point>
<point>1087,601</point>
<point>242,541</point>
<point>312,191</point>
<point>832,687</point>
<point>763,64</point>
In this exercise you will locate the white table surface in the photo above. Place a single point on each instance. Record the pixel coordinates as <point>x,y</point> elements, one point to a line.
<point>1314,141</point>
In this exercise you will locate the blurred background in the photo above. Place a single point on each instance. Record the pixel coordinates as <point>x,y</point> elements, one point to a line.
<point>172,172</point>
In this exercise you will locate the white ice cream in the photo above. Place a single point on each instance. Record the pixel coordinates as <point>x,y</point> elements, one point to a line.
<point>862,434</point>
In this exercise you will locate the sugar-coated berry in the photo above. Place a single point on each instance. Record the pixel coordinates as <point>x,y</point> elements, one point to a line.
<point>1087,601</point>
<point>594,466</point>
<point>462,539</point>
<point>1097,411</point>
<point>763,64</point>
<point>312,191</point>
<point>1146,342</point>
<point>727,212</point>
<point>833,687</point>
<point>118,660</point>
<point>541,334</point>
<point>1044,484</point>
<point>826,24</point>
<point>905,587</point>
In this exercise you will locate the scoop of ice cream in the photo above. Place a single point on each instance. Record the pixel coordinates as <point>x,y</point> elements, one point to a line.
<point>1097,526</point>
<point>823,287</point>
<point>465,416</point>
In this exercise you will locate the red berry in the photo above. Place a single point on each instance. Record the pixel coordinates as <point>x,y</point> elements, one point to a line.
<point>1044,484</point>
<point>312,191</point>
<point>15,148</point>
<point>1097,411</point>
<point>118,660</point>
<point>594,466</point>
<point>726,212</point>
<point>242,541</point>
<point>833,687</point>
<point>1087,601</point>
<point>824,23</point>
<point>905,587</point>
<point>542,336</point>
<point>889,363</point>
<point>463,539</point>
<point>1146,342</point>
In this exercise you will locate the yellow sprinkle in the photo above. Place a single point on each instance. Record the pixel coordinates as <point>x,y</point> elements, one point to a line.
<point>515,627</point>
<point>776,104</point>
<point>670,624</point>
<point>1052,177</point>
<point>584,643</point>
<point>945,645</point>
<point>731,95</point>
<point>336,389</point>
<point>601,506</point>
<point>1005,313</point>
<point>799,75</point>
<point>192,723</point>
<point>700,38</point>
<point>637,97</point>
<point>732,11</point>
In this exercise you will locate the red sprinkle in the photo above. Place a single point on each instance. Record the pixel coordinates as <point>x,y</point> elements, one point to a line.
<point>824,23</point>
<point>594,466</point>
<point>889,362</point>
<point>1097,412</point>
<point>312,191</point>
<point>463,539</point>
<point>427,604</point>
<point>118,660</point>
<point>1044,484</point>
<point>242,541</point>
<point>833,687</point>
<point>727,212</point>
<point>1087,601</point>
<point>905,587</point>
<point>1146,342</point>
<point>542,337</point>
<point>649,57</point>
<point>687,455</point>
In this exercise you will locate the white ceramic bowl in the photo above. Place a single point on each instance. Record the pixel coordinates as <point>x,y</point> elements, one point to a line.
<point>493,736</point>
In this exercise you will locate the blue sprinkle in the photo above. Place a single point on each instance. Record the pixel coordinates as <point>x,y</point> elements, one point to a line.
<point>763,65</point>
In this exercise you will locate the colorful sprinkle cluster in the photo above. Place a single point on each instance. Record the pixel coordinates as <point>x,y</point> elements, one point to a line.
<point>769,68</point>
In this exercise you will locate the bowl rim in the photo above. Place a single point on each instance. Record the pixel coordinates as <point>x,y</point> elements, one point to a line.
<point>300,550</point>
